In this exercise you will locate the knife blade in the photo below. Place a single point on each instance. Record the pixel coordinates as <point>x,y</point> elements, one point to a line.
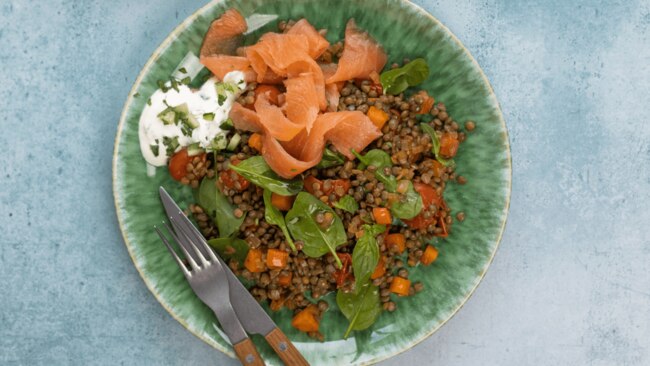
<point>251,315</point>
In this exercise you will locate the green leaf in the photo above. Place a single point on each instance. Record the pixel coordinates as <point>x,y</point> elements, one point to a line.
<point>274,217</point>
<point>301,221</point>
<point>375,157</point>
<point>435,141</point>
<point>361,307</point>
<point>409,205</point>
<point>380,159</point>
<point>217,206</point>
<point>230,248</point>
<point>330,159</point>
<point>347,203</point>
<point>366,253</point>
<point>397,80</point>
<point>258,172</point>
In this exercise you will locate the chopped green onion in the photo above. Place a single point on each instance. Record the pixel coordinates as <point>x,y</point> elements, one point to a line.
<point>227,124</point>
<point>208,116</point>
<point>186,80</point>
<point>183,70</point>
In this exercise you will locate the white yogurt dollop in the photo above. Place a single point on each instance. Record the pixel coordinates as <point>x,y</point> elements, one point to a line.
<point>209,107</point>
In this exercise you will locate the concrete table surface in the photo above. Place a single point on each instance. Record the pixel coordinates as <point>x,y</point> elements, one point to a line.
<point>570,284</point>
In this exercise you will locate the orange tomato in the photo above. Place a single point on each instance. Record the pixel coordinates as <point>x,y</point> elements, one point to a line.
<point>178,164</point>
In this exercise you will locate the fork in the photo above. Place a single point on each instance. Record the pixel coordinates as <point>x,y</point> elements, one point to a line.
<point>205,275</point>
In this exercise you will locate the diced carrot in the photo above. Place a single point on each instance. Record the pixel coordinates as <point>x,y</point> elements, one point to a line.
<point>277,304</point>
<point>254,262</point>
<point>284,280</point>
<point>438,169</point>
<point>448,145</point>
<point>382,215</point>
<point>282,203</point>
<point>276,259</point>
<point>255,142</point>
<point>396,241</point>
<point>377,116</point>
<point>272,91</point>
<point>429,256</point>
<point>427,104</point>
<point>379,270</point>
<point>305,320</point>
<point>400,286</point>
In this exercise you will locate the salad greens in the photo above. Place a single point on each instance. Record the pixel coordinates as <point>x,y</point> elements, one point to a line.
<point>409,205</point>
<point>347,203</point>
<point>366,254</point>
<point>274,217</point>
<point>436,145</point>
<point>217,206</point>
<point>258,172</point>
<point>230,248</point>
<point>361,307</point>
<point>318,240</point>
<point>330,159</point>
<point>397,80</point>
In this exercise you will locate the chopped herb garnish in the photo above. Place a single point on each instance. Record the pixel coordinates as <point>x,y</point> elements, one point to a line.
<point>136,95</point>
<point>227,124</point>
<point>208,116</point>
<point>155,149</point>
<point>186,80</point>
<point>162,86</point>
<point>170,144</point>
<point>221,99</point>
<point>182,70</point>
<point>149,101</point>
<point>175,85</point>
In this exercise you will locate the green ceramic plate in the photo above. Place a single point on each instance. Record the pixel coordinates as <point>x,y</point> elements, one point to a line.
<point>456,79</point>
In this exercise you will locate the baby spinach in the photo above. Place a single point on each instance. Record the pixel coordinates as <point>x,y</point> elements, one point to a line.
<point>435,141</point>
<point>361,307</point>
<point>230,248</point>
<point>366,254</point>
<point>330,159</point>
<point>217,206</point>
<point>380,160</point>
<point>258,172</point>
<point>274,217</point>
<point>301,221</point>
<point>397,80</point>
<point>409,205</point>
<point>347,203</point>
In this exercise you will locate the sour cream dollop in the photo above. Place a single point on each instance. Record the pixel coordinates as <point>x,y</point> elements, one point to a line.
<point>210,106</point>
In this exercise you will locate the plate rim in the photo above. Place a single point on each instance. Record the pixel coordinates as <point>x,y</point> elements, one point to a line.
<point>155,55</point>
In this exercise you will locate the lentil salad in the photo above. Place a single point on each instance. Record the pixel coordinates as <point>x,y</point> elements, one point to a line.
<point>378,212</point>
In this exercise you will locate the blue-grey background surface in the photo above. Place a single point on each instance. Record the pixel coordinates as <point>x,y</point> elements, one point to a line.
<point>570,284</point>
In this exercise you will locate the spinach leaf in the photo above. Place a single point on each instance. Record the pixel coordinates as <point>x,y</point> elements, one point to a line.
<point>230,248</point>
<point>436,145</point>
<point>361,307</point>
<point>330,159</point>
<point>379,159</point>
<point>397,80</point>
<point>347,203</point>
<point>366,254</point>
<point>409,205</point>
<point>274,217</point>
<point>301,221</point>
<point>258,172</point>
<point>217,206</point>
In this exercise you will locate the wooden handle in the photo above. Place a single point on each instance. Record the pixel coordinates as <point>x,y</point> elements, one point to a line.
<point>247,353</point>
<point>285,349</point>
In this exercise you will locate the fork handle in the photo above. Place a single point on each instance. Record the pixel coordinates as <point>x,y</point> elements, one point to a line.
<point>247,353</point>
<point>285,349</point>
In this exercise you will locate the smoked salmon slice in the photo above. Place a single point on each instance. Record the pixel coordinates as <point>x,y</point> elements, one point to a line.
<point>302,100</point>
<point>274,121</point>
<point>361,56</point>
<point>224,35</point>
<point>317,43</point>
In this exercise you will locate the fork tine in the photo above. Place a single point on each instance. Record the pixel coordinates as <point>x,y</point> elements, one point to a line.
<point>187,254</point>
<point>198,237</point>
<point>185,234</point>
<point>172,252</point>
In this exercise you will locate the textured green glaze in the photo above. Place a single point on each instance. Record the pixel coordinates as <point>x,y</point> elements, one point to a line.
<point>405,31</point>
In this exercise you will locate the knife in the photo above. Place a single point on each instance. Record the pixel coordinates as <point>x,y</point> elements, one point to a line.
<point>249,312</point>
